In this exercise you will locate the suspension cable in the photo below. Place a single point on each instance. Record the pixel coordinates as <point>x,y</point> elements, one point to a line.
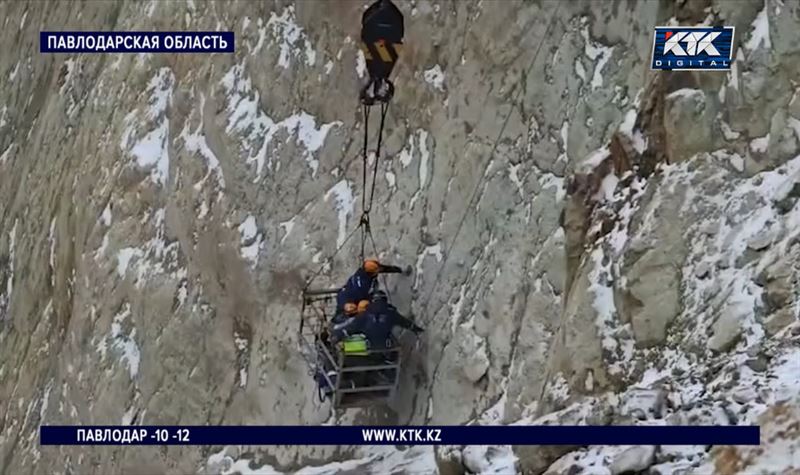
<point>364,226</point>
<point>366,206</point>
<point>322,267</point>
<point>384,110</point>
<point>364,154</point>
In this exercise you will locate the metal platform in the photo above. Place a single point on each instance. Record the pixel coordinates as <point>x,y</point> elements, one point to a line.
<point>357,381</point>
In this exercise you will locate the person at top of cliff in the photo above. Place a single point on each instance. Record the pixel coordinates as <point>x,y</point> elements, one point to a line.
<point>359,287</point>
<point>382,31</point>
<point>376,322</point>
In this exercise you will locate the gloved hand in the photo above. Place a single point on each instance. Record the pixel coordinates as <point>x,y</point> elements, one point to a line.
<point>390,269</point>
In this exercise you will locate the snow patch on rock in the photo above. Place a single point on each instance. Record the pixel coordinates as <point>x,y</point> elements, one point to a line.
<point>123,343</point>
<point>257,129</point>
<point>345,203</point>
<point>290,38</point>
<point>760,144</point>
<point>6,154</point>
<point>435,77</point>
<point>759,35</point>
<point>436,251</point>
<point>361,64</point>
<point>251,240</point>
<point>151,151</point>
<point>598,53</point>
<point>195,142</point>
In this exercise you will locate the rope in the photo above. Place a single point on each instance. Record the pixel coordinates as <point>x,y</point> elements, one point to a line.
<point>364,154</point>
<point>384,110</point>
<point>469,208</point>
<point>365,229</point>
<point>322,267</point>
<point>366,206</point>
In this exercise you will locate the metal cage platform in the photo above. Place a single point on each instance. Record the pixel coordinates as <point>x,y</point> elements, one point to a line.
<point>366,379</point>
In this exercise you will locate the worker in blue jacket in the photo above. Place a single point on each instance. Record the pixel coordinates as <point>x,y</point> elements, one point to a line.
<point>376,323</point>
<point>359,287</point>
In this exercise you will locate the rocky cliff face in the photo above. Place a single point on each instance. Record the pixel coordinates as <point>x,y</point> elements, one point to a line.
<point>593,242</point>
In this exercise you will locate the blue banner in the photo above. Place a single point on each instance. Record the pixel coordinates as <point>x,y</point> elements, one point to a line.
<point>692,48</point>
<point>136,42</point>
<point>390,435</point>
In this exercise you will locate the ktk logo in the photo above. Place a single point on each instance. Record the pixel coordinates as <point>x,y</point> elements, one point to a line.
<point>687,48</point>
<point>696,42</point>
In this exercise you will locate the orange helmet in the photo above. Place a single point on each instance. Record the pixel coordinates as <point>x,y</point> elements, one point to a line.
<point>372,266</point>
<point>350,308</point>
<point>362,306</point>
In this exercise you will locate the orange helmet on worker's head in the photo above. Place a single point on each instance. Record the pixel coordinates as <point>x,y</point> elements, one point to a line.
<point>350,308</point>
<point>362,306</point>
<point>372,266</point>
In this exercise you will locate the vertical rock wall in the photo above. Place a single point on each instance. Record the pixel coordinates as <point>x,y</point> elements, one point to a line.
<point>159,214</point>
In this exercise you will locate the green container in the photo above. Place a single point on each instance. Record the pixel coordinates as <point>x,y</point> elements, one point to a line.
<point>356,345</point>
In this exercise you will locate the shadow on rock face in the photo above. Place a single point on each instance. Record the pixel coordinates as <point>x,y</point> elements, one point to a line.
<point>285,285</point>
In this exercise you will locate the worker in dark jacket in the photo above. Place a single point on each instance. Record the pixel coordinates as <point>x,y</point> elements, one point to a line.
<point>376,323</point>
<point>340,322</point>
<point>360,285</point>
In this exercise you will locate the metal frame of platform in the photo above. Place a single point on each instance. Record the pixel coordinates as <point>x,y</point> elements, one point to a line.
<point>362,380</point>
